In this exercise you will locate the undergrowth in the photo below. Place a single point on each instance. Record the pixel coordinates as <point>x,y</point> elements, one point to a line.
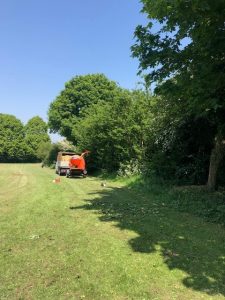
<point>195,200</point>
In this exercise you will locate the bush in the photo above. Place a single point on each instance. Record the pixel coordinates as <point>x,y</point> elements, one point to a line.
<point>130,168</point>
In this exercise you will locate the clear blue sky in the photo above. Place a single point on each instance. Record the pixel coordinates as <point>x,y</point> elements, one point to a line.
<point>44,43</point>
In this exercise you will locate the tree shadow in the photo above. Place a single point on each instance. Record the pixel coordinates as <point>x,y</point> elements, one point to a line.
<point>186,243</point>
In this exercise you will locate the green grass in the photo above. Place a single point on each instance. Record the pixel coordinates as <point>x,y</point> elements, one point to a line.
<point>79,240</point>
<point>196,200</point>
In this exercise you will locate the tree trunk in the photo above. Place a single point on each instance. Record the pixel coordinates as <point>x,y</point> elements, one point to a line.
<point>216,157</point>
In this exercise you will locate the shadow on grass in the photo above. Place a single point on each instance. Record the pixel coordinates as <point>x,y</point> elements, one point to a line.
<point>186,243</point>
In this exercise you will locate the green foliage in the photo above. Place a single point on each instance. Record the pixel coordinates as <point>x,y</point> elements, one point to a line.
<point>130,168</point>
<point>79,93</point>
<point>177,148</point>
<point>186,60</point>
<point>36,135</point>
<point>19,143</point>
<point>115,132</point>
<point>43,150</point>
<point>12,145</point>
<point>197,68</point>
<point>51,156</point>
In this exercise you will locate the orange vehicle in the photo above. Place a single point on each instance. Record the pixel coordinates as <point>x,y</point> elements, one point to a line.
<point>77,165</point>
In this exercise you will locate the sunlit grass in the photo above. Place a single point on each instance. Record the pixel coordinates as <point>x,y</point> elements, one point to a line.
<point>79,240</point>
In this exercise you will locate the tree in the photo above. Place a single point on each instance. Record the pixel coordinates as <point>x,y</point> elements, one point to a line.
<point>186,58</point>
<point>176,147</point>
<point>36,133</point>
<point>114,132</point>
<point>65,145</point>
<point>79,93</point>
<point>12,145</point>
<point>43,150</point>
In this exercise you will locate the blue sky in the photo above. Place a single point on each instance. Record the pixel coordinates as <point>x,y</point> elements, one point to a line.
<point>45,43</point>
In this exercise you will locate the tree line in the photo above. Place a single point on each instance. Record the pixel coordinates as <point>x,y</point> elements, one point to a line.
<point>132,132</point>
<point>23,143</point>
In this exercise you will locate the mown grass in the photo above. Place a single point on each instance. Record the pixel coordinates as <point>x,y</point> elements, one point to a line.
<point>79,240</point>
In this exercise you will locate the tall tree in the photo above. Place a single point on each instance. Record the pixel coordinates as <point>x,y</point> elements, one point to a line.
<point>79,93</point>
<point>36,133</point>
<point>12,145</point>
<point>186,58</point>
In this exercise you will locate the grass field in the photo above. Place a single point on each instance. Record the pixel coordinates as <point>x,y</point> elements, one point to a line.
<point>79,240</point>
